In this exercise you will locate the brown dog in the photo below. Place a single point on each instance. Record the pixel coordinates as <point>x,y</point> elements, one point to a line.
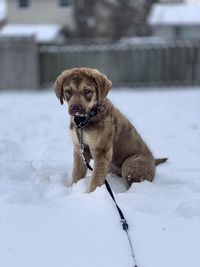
<point>109,138</point>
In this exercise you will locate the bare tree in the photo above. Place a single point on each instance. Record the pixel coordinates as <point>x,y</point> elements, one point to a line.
<point>111,18</point>
<point>85,17</point>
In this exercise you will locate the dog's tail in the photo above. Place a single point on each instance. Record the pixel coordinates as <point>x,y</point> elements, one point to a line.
<point>160,161</point>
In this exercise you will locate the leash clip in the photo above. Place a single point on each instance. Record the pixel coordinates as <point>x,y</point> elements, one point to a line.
<point>81,149</point>
<point>124,224</point>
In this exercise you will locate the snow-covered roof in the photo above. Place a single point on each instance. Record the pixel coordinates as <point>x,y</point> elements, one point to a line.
<point>2,10</point>
<point>192,1</point>
<point>42,32</point>
<point>174,14</point>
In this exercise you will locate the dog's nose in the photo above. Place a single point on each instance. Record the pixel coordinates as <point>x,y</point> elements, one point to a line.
<point>75,108</point>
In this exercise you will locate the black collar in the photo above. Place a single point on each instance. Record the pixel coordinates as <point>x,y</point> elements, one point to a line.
<point>83,121</point>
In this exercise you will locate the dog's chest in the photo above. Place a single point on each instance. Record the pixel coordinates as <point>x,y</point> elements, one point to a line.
<point>89,138</point>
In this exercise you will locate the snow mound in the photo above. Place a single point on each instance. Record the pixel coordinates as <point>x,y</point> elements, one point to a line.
<point>46,222</point>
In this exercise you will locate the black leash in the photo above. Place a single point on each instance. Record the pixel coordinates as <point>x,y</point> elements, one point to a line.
<point>81,122</point>
<point>125,226</point>
<point>123,220</point>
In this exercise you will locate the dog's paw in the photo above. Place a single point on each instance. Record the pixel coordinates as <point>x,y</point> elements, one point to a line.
<point>91,188</point>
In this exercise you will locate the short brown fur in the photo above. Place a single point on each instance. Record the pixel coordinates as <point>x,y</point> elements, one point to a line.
<point>110,139</point>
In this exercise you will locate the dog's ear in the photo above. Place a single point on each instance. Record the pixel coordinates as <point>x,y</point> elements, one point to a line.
<point>58,89</point>
<point>58,85</point>
<point>103,84</point>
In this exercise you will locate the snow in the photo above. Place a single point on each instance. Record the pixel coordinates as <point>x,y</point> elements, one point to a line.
<point>175,14</point>
<point>141,41</point>
<point>45,223</point>
<point>192,1</point>
<point>42,32</point>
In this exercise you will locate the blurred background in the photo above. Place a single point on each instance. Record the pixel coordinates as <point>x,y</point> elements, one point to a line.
<point>134,42</point>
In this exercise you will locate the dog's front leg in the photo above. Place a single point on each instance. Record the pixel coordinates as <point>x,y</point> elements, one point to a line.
<point>102,160</point>
<point>79,167</point>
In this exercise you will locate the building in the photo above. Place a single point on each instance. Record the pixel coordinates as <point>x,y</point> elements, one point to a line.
<point>42,18</point>
<point>2,12</point>
<point>40,12</point>
<point>175,20</point>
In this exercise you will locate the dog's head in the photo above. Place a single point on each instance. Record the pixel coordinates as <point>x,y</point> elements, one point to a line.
<point>82,89</point>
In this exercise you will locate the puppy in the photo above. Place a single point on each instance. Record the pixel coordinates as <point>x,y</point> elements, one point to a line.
<point>109,137</point>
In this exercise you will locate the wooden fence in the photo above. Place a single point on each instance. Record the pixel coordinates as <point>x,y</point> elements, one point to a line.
<point>18,63</point>
<point>140,64</point>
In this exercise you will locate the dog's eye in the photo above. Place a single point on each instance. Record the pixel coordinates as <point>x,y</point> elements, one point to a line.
<point>69,91</point>
<point>87,92</point>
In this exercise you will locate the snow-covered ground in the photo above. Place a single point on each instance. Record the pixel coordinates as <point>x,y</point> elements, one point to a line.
<point>43,223</point>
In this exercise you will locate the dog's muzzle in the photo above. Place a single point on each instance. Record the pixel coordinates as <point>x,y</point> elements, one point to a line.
<point>76,110</point>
